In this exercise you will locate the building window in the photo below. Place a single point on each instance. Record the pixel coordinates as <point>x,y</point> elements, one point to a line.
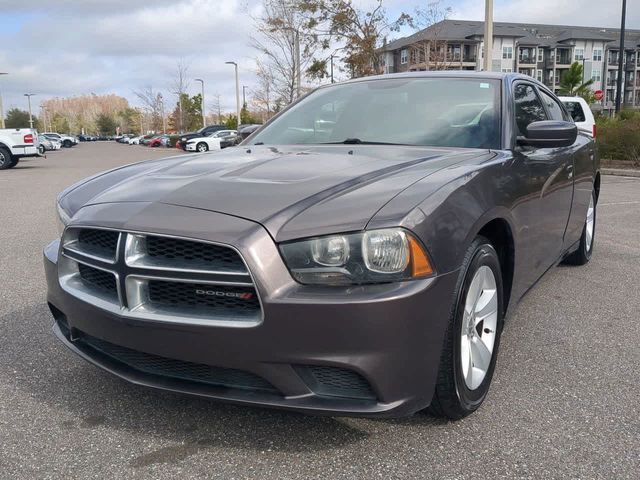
<point>597,54</point>
<point>404,56</point>
<point>539,75</point>
<point>596,76</point>
<point>579,54</point>
<point>507,70</point>
<point>540,54</point>
<point>507,53</point>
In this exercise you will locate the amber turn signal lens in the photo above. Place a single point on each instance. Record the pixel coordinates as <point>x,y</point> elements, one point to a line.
<point>420,265</point>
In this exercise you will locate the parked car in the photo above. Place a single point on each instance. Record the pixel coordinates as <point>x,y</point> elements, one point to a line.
<point>17,143</point>
<point>47,144</point>
<point>581,113</point>
<point>364,268</point>
<point>146,139</point>
<point>214,141</point>
<point>67,141</point>
<point>159,141</point>
<point>203,132</point>
<point>245,130</point>
<point>134,140</point>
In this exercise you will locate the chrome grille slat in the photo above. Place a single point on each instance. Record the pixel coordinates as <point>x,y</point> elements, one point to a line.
<point>136,285</point>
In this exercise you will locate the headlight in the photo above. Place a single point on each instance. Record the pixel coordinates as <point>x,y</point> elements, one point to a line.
<point>63,218</point>
<point>375,256</point>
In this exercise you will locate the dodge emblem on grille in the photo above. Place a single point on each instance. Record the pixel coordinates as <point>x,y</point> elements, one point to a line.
<point>216,293</point>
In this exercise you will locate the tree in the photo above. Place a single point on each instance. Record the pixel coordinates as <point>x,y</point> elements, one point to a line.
<point>152,104</point>
<point>189,109</point>
<point>572,84</point>
<point>179,86</point>
<point>17,118</point>
<point>106,124</point>
<point>431,50</point>
<point>362,32</point>
<point>280,32</point>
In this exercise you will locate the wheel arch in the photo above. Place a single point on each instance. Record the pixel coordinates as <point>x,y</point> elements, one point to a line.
<point>500,234</point>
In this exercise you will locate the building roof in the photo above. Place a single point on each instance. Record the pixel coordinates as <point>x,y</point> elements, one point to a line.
<point>527,33</point>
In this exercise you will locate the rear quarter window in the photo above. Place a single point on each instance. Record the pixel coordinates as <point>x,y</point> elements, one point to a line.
<point>576,111</point>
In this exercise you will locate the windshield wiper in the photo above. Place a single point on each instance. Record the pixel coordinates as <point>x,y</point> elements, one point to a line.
<point>357,141</point>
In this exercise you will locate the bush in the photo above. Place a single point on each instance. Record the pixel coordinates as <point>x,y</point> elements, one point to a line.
<point>619,139</point>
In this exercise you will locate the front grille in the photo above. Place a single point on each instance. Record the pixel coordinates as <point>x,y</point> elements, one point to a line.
<point>101,243</point>
<point>161,278</point>
<point>186,254</point>
<point>218,300</point>
<point>336,382</point>
<point>99,280</point>
<point>178,369</point>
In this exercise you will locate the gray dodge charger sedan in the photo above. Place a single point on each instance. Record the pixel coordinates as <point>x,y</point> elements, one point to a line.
<point>357,255</point>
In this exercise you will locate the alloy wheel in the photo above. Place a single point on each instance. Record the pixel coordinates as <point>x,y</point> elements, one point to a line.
<point>479,324</point>
<point>590,224</point>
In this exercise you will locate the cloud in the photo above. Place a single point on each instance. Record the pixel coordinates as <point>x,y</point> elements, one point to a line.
<point>62,51</point>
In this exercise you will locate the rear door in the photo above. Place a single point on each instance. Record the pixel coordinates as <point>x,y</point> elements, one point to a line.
<point>544,211</point>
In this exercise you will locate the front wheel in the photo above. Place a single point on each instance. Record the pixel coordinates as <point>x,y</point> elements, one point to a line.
<point>202,147</point>
<point>470,348</point>
<point>41,149</point>
<point>67,144</point>
<point>585,249</point>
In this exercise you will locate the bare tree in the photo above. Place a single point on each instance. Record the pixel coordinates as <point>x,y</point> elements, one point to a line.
<point>216,108</point>
<point>431,52</point>
<point>152,106</point>
<point>280,40</point>
<point>263,94</point>
<point>178,87</point>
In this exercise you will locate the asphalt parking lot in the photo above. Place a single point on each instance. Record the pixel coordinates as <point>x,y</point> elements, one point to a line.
<point>564,402</point>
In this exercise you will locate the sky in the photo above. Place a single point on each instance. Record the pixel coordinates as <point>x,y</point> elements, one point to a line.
<point>60,48</point>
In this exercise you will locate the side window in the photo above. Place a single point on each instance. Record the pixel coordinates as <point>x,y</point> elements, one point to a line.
<point>576,111</point>
<point>553,108</point>
<point>528,107</point>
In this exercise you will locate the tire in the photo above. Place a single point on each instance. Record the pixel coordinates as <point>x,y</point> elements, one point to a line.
<point>202,147</point>
<point>6,159</point>
<point>67,144</point>
<point>585,249</point>
<point>461,389</point>
<point>41,149</point>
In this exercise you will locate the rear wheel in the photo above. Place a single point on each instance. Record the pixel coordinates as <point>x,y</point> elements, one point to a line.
<point>583,254</point>
<point>41,149</point>
<point>202,147</point>
<point>67,144</point>
<point>471,344</point>
<point>6,159</point>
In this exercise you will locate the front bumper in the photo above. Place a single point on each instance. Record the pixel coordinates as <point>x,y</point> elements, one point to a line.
<point>190,147</point>
<point>390,335</point>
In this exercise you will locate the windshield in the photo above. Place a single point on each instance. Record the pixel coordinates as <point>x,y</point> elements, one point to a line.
<point>448,112</point>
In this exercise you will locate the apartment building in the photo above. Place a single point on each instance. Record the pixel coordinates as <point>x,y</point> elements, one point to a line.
<point>544,52</point>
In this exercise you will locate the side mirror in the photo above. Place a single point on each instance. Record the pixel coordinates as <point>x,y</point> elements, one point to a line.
<point>550,134</point>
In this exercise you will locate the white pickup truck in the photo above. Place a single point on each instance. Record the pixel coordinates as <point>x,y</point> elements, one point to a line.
<point>16,143</point>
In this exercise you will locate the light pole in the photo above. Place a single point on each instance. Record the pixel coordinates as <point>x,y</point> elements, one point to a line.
<point>488,35</point>
<point>244,96</point>
<point>204,122</point>
<point>164,123</point>
<point>237,93</point>
<point>1,107</point>
<point>29,95</point>
<point>619,98</point>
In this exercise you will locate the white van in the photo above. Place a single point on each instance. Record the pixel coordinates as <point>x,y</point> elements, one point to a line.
<point>581,113</point>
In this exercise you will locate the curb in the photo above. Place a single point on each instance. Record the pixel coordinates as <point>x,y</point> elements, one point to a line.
<point>623,172</point>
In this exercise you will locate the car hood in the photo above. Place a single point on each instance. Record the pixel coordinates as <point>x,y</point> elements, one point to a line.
<point>292,191</point>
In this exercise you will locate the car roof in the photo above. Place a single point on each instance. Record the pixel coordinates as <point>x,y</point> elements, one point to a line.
<point>443,74</point>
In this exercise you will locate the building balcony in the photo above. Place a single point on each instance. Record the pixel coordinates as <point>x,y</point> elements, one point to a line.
<point>630,65</point>
<point>472,58</point>
<point>527,60</point>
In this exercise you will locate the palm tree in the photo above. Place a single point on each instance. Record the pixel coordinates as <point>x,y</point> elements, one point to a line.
<point>572,84</point>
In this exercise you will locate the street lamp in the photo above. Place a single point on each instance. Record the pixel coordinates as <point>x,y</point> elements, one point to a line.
<point>1,108</point>
<point>237,92</point>
<point>204,124</point>
<point>29,95</point>
<point>244,97</point>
